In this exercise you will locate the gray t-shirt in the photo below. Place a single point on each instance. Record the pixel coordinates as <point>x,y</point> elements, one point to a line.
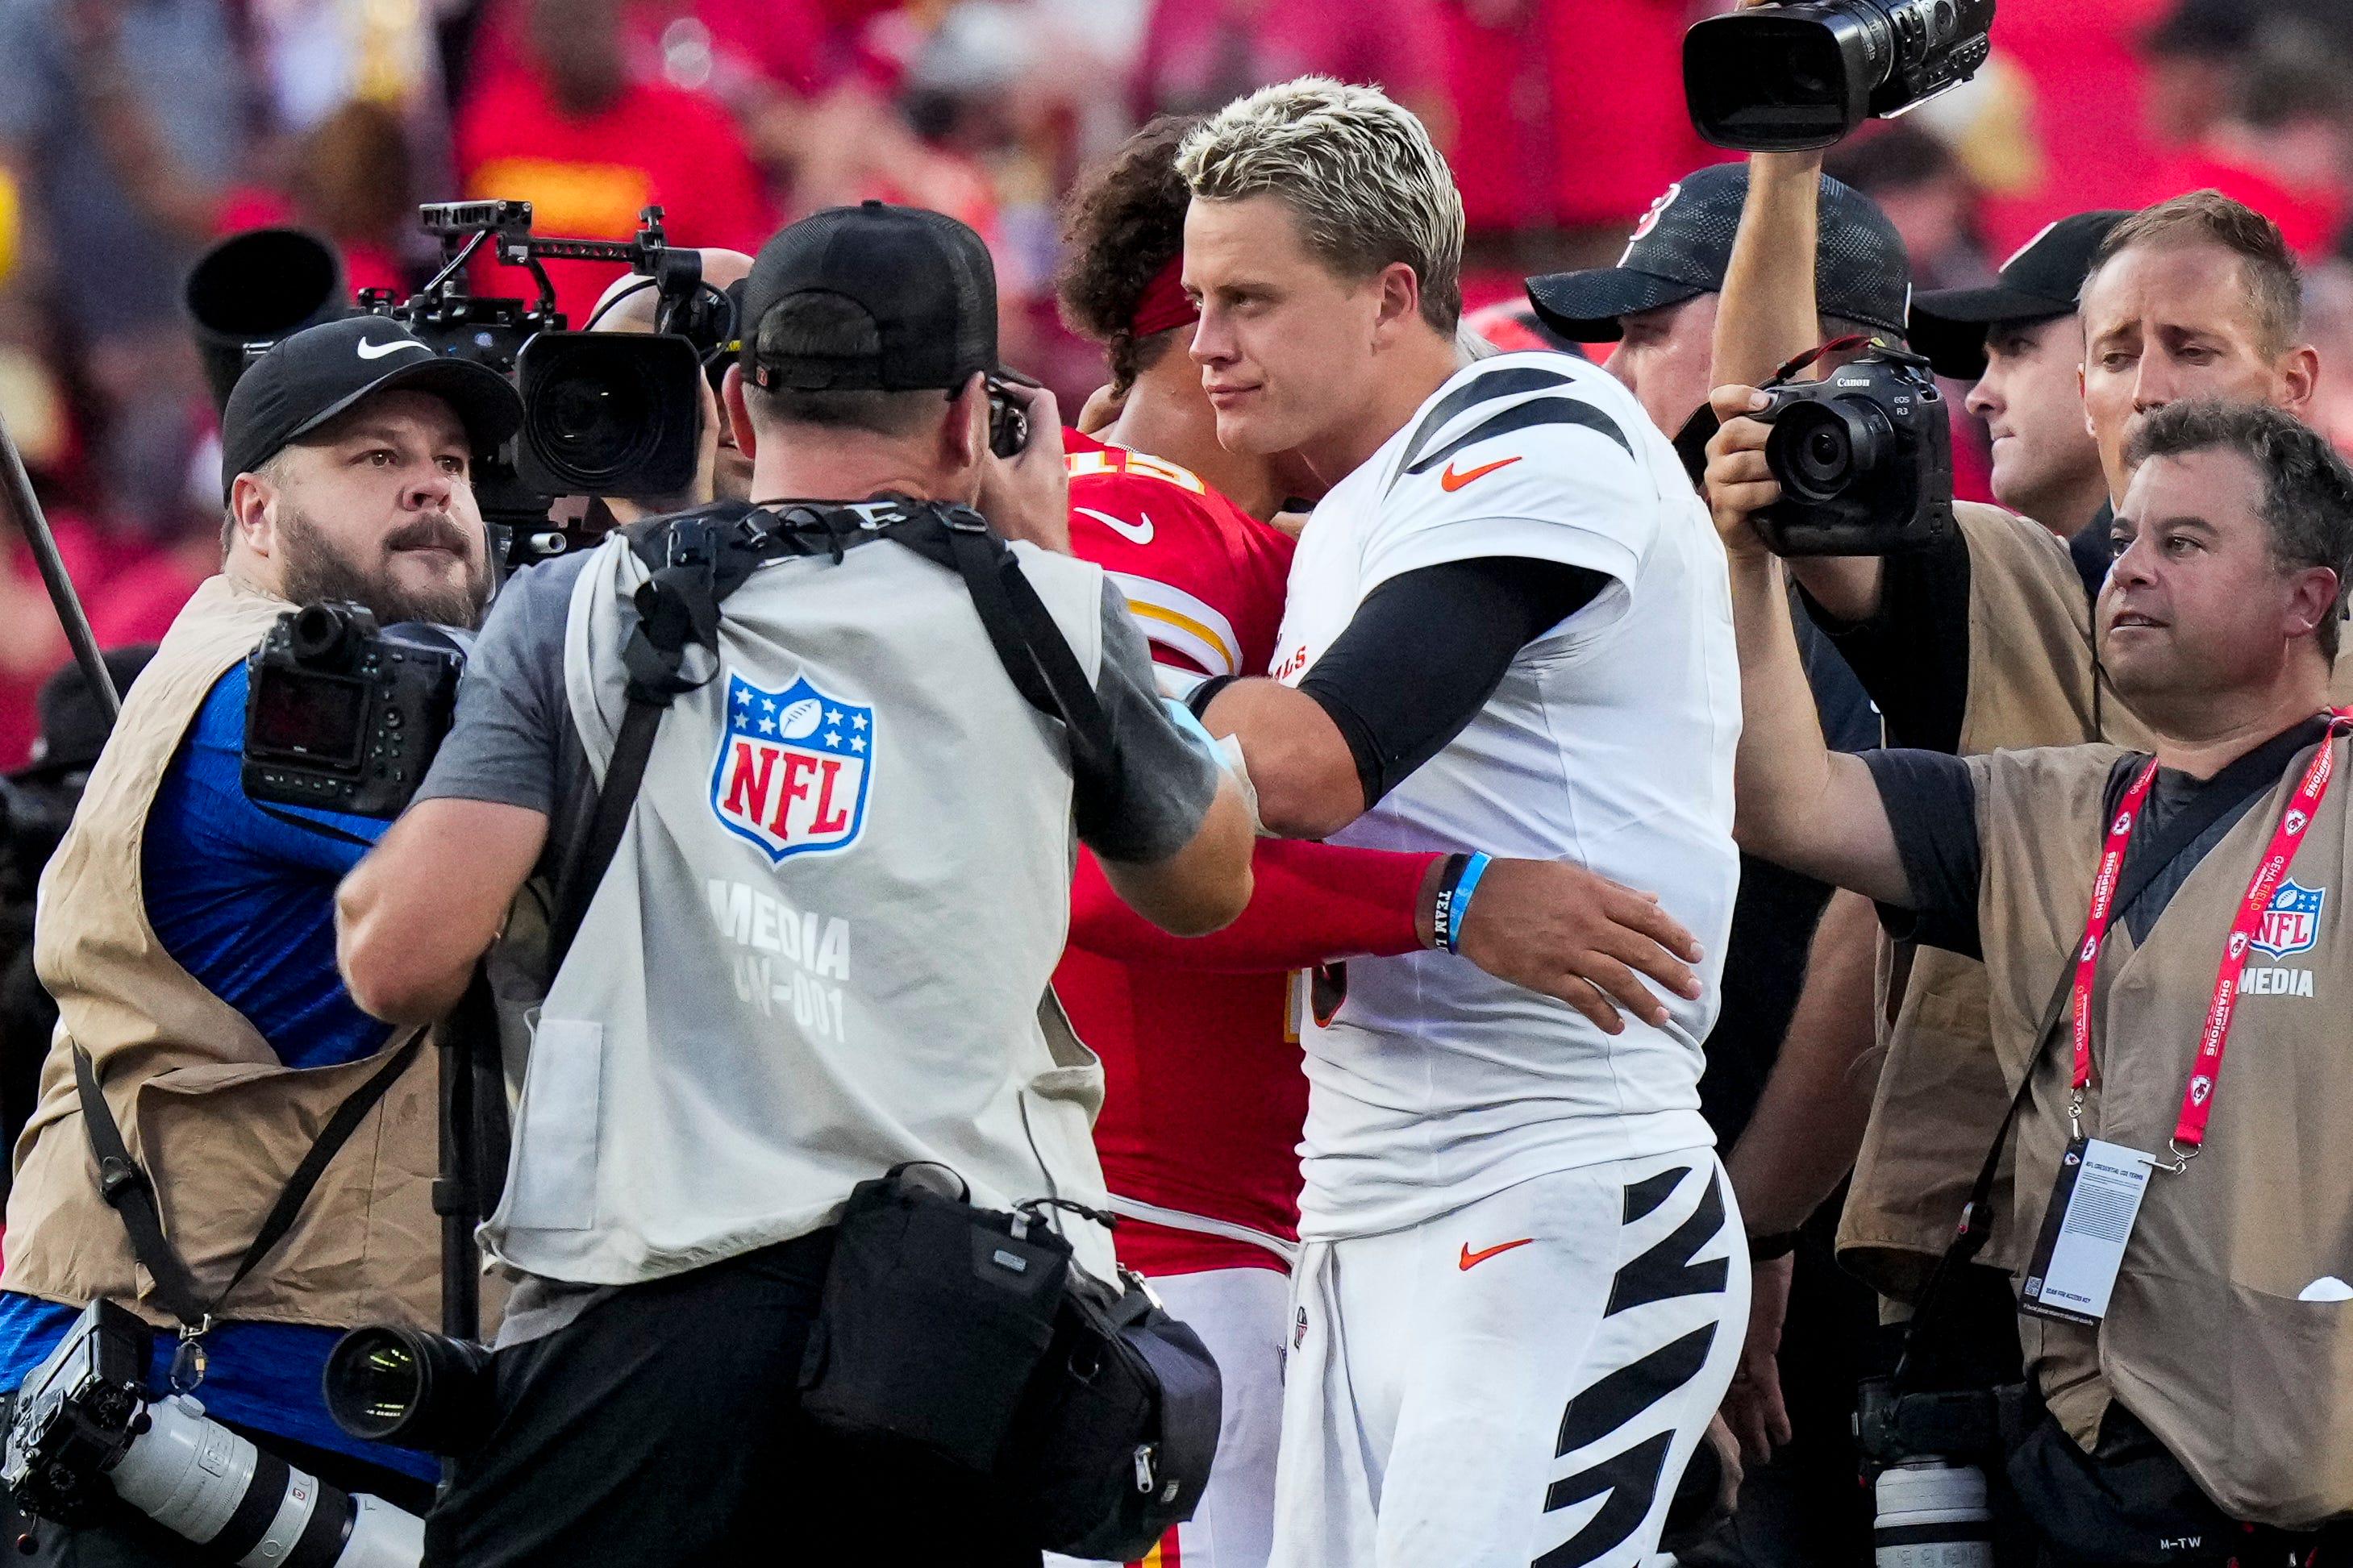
<point>513,741</point>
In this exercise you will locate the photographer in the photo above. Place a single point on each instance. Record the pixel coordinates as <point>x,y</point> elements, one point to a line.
<point>187,936</point>
<point>763,1012</point>
<point>2187,1357</point>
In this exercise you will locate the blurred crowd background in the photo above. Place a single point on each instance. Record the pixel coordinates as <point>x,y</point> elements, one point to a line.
<point>136,132</point>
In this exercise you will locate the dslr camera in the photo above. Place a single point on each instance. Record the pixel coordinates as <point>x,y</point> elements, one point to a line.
<point>1864,458</point>
<point>1797,74</point>
<point>344,715</point>
<point>86,1437</point>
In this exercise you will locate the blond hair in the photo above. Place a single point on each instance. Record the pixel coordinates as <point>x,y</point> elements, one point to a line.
<point>1360,172</point>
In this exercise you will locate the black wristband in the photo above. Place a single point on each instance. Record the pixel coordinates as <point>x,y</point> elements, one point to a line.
<point>1766,1248</point>
<point>1198,700</point>
<point>1442,899</point>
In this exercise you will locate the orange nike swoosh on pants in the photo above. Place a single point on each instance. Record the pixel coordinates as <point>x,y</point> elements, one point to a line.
<point>1450,481</point>
<point>1473,1259</point>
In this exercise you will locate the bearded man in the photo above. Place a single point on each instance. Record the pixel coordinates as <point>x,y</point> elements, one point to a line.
<point>189,936</point>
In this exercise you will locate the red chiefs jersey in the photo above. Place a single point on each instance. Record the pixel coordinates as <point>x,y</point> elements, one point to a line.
<point>1204,1092</point>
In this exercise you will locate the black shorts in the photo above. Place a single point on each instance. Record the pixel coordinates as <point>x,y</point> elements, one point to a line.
<point>663,1427</point>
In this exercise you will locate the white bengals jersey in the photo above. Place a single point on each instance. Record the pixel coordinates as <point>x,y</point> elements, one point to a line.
<point>1609,744</point>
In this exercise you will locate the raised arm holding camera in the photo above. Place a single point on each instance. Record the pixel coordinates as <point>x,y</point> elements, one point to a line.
<point>187,935</point>
<point>2149,1332</point>
<point>818,953</point>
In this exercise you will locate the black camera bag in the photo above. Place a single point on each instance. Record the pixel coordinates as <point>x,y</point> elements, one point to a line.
<point>1114,1445</point>
<point>935,1317</point>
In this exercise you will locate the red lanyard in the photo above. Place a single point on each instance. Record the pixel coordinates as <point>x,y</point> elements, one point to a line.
<point>2197,1096</point>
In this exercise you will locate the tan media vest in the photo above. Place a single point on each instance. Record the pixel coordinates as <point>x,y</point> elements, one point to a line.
<point>1941,1093</point>
<point>2230,1332</point>
<point>204,1102</point>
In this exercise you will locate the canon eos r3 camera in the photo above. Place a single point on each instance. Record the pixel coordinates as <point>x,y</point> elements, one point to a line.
<point>1864,458</point>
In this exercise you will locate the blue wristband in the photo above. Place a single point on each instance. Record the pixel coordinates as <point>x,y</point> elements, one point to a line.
<point>1454,903</point>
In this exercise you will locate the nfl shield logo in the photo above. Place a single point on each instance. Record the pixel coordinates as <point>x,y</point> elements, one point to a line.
<point>2292,923</point>
<point>792,769</point>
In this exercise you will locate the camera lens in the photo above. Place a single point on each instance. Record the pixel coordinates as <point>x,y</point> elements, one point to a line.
<point>1824,456</point>
<point>1821,451</point>
<point>609,414</point>
<point>404,1386</point>
<point>596,425</point>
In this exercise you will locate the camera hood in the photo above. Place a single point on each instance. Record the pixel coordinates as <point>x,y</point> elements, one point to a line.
<point>1783,78</point>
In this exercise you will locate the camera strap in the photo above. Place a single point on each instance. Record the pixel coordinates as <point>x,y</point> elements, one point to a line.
<point>130,1192</point>
<point>2164,846</point>
<point>698,559</point>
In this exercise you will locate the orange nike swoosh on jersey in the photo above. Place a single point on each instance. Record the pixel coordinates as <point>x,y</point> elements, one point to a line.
<point>1450,481</point>
<point>1473,1259</point>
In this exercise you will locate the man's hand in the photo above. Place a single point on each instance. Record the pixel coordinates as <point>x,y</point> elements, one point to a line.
<point>1738,483</point>
<point>1559,929</point>
<point>1027,495</point>
<point>1753,1407</point>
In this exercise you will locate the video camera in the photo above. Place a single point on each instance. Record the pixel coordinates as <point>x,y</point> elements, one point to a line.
<point>343,715</point>
<point>85,1436</point>
<point>1795,74</point>
<point>605,414</point>
<point>1864,458</point>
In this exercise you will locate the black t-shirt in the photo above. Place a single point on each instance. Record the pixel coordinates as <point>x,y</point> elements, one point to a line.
<point>1913,656</point>
<point>1931,803</point>
<point>1773,921</point>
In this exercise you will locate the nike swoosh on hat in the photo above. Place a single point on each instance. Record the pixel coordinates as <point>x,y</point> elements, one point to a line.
<point>2327,1287</point>
<point>377,350</point>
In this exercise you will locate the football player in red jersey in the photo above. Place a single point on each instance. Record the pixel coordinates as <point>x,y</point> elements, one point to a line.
<point>1204,1096</point>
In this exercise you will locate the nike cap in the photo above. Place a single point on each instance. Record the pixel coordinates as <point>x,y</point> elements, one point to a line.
<point>1683,247</point>
<point>2038,284</point>
<point>900,298</point>
<point>320,372</point>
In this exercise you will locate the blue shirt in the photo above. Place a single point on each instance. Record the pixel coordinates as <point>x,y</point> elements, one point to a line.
<point>244,902</point>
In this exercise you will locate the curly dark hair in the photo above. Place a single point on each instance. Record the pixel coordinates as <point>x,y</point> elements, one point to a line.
<point>1120,227</point>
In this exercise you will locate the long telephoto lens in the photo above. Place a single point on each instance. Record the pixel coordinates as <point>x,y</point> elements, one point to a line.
<point>402,1385</point>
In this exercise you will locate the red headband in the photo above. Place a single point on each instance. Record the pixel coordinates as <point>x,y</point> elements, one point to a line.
<point>1164,304</point>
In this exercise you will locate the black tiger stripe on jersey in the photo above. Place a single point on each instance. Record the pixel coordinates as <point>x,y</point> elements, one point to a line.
<point>1666,1269</point>
<point>1615,1398</point>
<point>1631,1477</point>
<point>1508,382</point>
<point>1557,409</point>
<point>1631,1480</point>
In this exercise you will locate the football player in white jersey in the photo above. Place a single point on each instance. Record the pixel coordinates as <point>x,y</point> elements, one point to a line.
<point>1524,1285</point>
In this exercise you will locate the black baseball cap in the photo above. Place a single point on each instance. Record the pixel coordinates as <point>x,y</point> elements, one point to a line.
<point>317,373</point>
<point>2037,284</point>
<point>1683,247</point>
<point>916,290</point>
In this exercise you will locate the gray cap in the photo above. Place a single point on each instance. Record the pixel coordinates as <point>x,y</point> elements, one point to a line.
<point>1683,247</point>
